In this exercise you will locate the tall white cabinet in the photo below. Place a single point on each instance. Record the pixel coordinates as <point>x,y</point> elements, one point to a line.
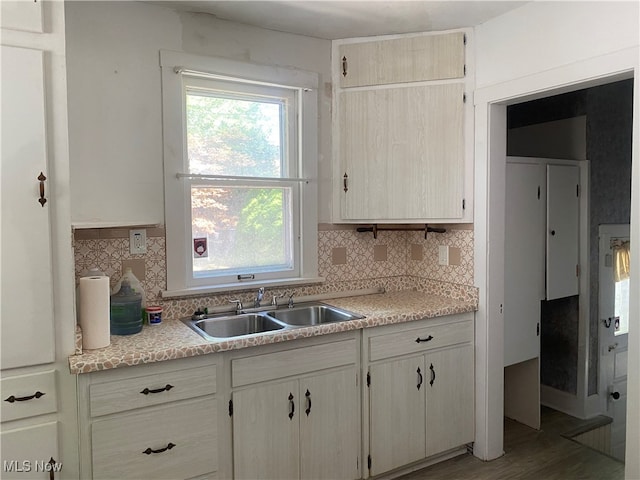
<point>33,168</point>
<point>402,131</point>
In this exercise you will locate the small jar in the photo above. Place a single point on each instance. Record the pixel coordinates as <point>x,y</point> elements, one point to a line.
<point>154,315</point>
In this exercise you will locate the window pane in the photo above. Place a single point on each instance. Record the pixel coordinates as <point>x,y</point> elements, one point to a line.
<point>622,306</point>
<point>235,136</point>
<point>247,230</point>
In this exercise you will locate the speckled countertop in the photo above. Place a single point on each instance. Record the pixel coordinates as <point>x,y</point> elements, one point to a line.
<point>173,339</point>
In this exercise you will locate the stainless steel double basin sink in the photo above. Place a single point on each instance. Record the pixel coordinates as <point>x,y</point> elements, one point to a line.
<point>242,325</point>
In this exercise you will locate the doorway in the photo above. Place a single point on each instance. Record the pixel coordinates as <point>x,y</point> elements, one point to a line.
<point>614,327</point>
<point>490,161</point>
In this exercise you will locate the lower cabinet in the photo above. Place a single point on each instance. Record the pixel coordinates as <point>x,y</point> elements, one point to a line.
<point>31,452</point>
<point>305,426</point>
<point>421,404</point>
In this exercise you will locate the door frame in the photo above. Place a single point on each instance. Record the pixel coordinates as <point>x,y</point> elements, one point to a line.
<point>489,184</point>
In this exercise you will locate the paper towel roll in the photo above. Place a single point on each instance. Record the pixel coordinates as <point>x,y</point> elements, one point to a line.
<point>94,312</point>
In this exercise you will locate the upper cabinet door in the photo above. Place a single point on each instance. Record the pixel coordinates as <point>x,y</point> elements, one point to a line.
<point>563,214</point>
<point>402,151</point>
<point>406,59</point>
<point>26,297</point>
<point>21,15</point>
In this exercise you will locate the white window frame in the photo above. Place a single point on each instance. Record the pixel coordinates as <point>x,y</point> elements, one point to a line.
<point>175,68</point>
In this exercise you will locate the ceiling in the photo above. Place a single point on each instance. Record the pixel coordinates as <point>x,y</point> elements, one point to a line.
<point>330,19</point>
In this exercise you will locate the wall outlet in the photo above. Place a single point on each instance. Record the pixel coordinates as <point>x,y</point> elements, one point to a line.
<point>443,255</point>
<point>137,242</point>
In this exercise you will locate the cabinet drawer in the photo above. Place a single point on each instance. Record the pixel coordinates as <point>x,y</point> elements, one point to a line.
<point>28,395</point>
<point>183,439</point>
<point>406,342</point>
<point>270,366</point>
<point>148,390</point>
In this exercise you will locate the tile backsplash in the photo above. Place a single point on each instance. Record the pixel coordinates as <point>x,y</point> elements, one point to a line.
<point>347,260</point>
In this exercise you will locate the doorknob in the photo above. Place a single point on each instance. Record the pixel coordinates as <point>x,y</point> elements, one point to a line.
<point>615,395</point>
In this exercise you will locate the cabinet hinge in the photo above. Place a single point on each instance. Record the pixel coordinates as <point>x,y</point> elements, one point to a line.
<point>464,39</point>
<point>369,462</point>
<point>230,408</point>
<point>368,379</point>
<point>538,329</point>
<point>464,98</point>
<point>538,192</point>
<point>464,70</point>
<point>578,190</point>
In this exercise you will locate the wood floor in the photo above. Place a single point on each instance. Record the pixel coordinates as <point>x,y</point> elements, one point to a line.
<point>532,454</point>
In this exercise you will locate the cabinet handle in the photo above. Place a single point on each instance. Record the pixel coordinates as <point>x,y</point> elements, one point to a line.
<point>13,398</point>
<point>420,379</point>
<point>344,66</point>
<point>52,468</point>
<point>149,451</point>
<point>292,406</point>
<point>345,181</point>
<point>308,395</point>
<point>428,339</point>
<point>42,178</point>
<point>166,388</point>
<point>433,375</point>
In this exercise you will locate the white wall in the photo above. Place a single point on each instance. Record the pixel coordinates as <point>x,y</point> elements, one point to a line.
<point>114,91</point>
<point>542,48</point>
<point>542,35</point>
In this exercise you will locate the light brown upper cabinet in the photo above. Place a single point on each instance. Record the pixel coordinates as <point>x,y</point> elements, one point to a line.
<point>403,129</point>
<point>399,60</point>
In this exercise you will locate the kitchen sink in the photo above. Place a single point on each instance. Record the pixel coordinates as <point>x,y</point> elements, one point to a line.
<point>231,326</point>
<point>225,327</point>
<point>304,315</point>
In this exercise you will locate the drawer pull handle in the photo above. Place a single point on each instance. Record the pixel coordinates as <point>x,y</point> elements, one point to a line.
<point>308,410</point>
<point>420,379</point>
<point>166,388</point>
<point>433,375</point>
<point>428,339</point>
<point>13,398</point>
<point>169,446</point>
<point>292,405</point>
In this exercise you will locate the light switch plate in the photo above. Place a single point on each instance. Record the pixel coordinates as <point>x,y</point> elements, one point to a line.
<point>443,255</point>
<point>138,242</point>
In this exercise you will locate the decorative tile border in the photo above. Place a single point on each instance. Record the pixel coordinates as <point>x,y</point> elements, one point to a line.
<point>348,260</point>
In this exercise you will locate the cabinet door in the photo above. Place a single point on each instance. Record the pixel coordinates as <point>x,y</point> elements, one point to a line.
<point>26,452</point>
<point>449,390</point>
<point>397,413</point>
<point>563,236</point>
<point>266,431</point>
<point>26,298</point>
<point>406,59</point>
<point>524,261</point>
<point>402,152</point>
<point>329,426</point>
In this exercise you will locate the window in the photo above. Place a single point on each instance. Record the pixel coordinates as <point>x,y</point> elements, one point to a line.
<point>240,166</point>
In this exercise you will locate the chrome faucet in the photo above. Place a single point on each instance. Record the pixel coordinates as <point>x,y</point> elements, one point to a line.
<point>274,299</point>
<point>259,297</point>
<point>291,301</point>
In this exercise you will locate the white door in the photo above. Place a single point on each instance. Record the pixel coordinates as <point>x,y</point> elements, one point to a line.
<point>524,260</point>
<point>563,236</point>
<point>614,325</point>
<point>26,297</point>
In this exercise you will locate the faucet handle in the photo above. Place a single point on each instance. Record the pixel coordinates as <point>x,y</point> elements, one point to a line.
<point>291,300</point>
<point>274,299</point>
<point>238,305</point>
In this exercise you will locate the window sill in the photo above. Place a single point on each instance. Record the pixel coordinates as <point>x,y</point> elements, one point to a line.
<point>235,287</point>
